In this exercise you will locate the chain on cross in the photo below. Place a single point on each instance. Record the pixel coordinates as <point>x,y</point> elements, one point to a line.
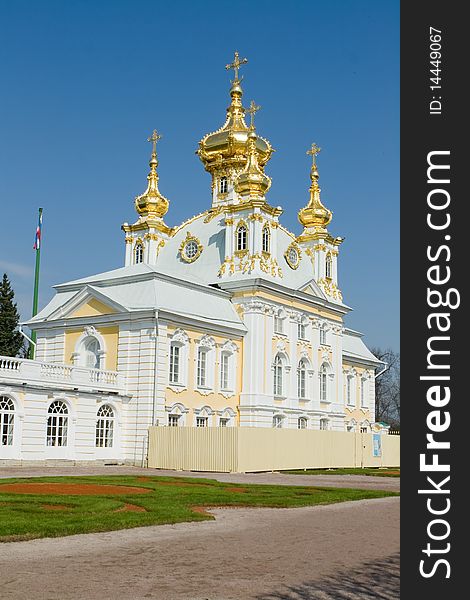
<point>313,151</point>
<point>154,139</point>
<point>236,64</point>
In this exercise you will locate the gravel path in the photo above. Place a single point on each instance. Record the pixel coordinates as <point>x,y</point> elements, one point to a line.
<point>345,551</point>
<point>351,481</point>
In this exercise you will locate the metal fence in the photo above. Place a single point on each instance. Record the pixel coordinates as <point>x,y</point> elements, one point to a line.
<point>250,449</point>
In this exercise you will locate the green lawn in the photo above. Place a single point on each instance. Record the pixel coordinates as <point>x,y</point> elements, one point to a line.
<point>377,472</point>
<point>170,500</point>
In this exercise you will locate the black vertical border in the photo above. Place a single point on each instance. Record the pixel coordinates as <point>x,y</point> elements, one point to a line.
<point>422,133</point>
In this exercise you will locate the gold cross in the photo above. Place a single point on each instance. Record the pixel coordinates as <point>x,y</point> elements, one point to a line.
<point>314,150</point>
<point>252,111</point>
<point>154,139</point>
<point>236,64</point>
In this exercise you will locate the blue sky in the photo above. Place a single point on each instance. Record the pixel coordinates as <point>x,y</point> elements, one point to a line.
<point>85,82</point>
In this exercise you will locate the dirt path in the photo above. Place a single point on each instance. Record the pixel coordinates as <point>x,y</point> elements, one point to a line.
<point>351,481</point>
<point>341,551</point>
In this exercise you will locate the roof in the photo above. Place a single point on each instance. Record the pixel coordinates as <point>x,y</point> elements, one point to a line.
<point>355,349</point>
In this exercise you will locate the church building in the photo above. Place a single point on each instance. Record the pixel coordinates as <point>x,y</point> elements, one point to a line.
<point>225,320</point>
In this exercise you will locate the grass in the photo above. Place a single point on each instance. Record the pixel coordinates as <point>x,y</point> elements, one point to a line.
<point>377,472</point>
<point>171,500</point>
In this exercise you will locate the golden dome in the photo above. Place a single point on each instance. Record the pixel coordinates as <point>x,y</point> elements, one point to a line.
<point>227,148</point>
<point>152,203</point>
<point>315,217</point>
<point>252,181</point>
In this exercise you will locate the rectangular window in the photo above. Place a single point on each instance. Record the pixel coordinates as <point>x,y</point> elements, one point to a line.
<point>224,372</point>
<point>363,394</point>
<point>277,422</point>
<point>201,367</point>
<point>302,423</point>
<point>323,424</point>
<point>323,396</point>
<point>174,364</point>
<point>302,331</point>
<point>349,390</point>
<point>301,382</point>
<point>173,420</point>
<point>201,421</point>
<point>323,336</point>
<point>278,325</point>
<point>6,429</point>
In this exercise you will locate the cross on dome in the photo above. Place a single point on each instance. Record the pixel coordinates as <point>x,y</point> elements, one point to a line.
<point>154,139</point>
<point>236,64</point>
<point>313,151</point>
<point>254,108</point>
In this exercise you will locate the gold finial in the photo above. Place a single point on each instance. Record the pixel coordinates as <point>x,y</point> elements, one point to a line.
<point>152,203</point>
<point>313,151</point>
<point>252,111</point>
<point>315,216</point>
<point>236,64</point>
<point>154,139</point>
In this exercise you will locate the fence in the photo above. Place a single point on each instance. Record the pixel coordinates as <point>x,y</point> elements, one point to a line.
<point>250,449</point>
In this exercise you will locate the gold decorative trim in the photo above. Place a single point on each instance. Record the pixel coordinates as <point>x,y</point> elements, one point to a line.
<point>330,288</point>
<point>292,264</point>
<point>190,238</point>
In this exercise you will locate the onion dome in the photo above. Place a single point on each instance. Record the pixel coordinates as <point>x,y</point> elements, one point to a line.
<point>227,148</point>
<point>152,203</point>
<point>314,217</point>
<point>252,181</point>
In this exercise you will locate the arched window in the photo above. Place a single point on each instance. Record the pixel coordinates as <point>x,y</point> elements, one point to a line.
<point>302,423</point>
<point>7,421</point>
<point>301,380</point>
<point>328,264</point>
<point>278,384</point>
<point>225,371</point>
<point>138,253</point>
<point>265,240</point>
<point>351,426</point>
<point>104,427</point>
<point>223,188</point>
<point>57,424</point>
<point>91,353</point>
<point>242,238</point>
<point>323,384</point>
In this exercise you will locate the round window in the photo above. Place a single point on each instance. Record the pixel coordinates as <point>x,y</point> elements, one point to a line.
<point>191,249</point>
<point>293,256</point>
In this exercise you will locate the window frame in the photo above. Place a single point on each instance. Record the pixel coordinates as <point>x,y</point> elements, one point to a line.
<point>7,421</point>
<point>241,238</point>
<point>57,425</point>
<point>302,379</point>
<point>105,430</point>
<point>278,381</point>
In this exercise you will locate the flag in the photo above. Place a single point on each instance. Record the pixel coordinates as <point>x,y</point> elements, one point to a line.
<point>37,240</point>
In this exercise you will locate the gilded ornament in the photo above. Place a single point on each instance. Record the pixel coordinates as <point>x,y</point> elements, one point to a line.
<point>293,255</point>
<point>190,248</point>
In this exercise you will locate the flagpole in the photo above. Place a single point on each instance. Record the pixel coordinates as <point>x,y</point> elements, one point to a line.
<point>36,287</point>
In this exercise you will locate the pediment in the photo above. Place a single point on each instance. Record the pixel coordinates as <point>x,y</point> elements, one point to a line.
<point>88,302</point>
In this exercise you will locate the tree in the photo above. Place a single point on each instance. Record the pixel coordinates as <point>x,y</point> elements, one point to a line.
<point>11,340</point>
<point>387,388</point>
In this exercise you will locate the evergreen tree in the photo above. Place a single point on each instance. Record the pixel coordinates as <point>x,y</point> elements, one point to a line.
<point>11,340</point>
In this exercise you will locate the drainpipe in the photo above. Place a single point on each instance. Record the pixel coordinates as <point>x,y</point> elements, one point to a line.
<point>155,329</point>
<point>20,329</point>
<point>382,371</point>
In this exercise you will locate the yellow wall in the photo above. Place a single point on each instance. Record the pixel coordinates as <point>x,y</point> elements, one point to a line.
<point>190,397</point>
<point>92,308</point>
<point>110,335</point>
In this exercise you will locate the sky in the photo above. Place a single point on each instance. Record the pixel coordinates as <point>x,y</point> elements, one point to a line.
<point>84,83</point>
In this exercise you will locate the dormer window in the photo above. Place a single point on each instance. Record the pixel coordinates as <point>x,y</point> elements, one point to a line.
<point>223,186</point>
<point>328,266</point>
<point>266,236</point>
<point>242,238</point>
